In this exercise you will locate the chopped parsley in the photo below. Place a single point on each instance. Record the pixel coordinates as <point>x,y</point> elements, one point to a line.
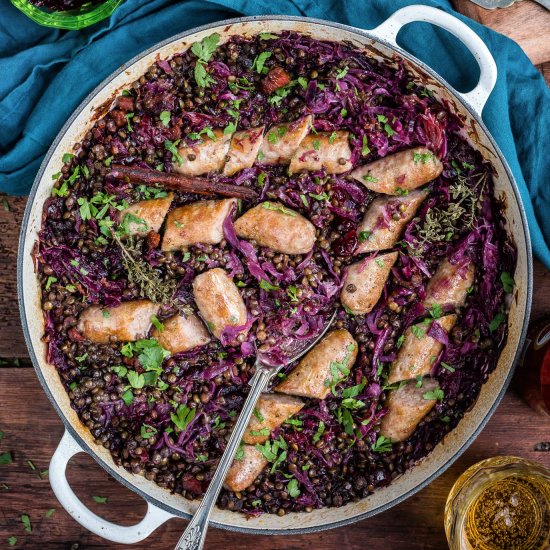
<point>259,62</point>
<point>382,445</point>
<point>204,51</point>
<point>147,431</point>
<point>51,279</point>
<point>364,235</point>
<point>183,416</point>
<point>279,207</point>
<point>265,285</point>
<point>448,367</point>
<point>507,282</point>
<point>498,319</point>
<point>434,394</point>
<point>100,500</point>
<point>172,147</point>
<point>320,431</point>
<point>165,118</point>
<point>422,157</point>
<point>292,488</point>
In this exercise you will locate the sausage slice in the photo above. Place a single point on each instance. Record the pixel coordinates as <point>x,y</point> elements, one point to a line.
<point>281,141</point>
<point>419,351</point>
<point>364,282</point>
<point>399,172</point>
<point>181,333</point>
<point>385,220</point>
<point>207,155</point>
<point>128,322</point>
<point>198,222</point>
<point>243,150</point>
<point>145,216</point>
<point>449,286</point>
<point>219,301</point>
<point>328,363</point>
<point>245,470</point>
<point>275,226</point>
<point>326,150</point>
<point>271,411</point>
<point>407,406</point>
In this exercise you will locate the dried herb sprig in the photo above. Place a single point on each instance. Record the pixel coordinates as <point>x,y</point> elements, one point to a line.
<point>441,224</point>
<point>144,276</point>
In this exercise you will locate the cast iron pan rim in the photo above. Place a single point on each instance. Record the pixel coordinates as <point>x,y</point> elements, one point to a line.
<point>113,471</point>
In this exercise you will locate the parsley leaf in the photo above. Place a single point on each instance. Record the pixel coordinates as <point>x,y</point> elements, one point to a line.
<point>507,282</point>
<point>165,118</point>
<point>279,207</point>
<point>434,394</point>
<point>172,147</point>
<point>382,445</point>
<point>183,416</point>
<point>498,319</point>
<point>259,62</point>
<point>292,488</point>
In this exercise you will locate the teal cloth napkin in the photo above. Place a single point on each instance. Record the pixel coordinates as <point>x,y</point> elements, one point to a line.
<point>45,74</point>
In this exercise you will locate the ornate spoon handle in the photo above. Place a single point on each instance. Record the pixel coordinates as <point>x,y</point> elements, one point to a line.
<point>194,535</point>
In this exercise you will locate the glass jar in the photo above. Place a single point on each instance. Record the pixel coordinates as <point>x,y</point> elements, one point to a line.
<point>499,503</point>
<point>86,15</point>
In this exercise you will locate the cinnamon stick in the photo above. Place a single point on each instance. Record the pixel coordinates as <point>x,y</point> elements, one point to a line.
<point>179,182</point>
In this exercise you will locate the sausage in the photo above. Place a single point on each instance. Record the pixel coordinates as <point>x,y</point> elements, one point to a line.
<point>324,366</point>
<point>145,216</point>
<point>449,286</point>
<point>245,470</point>
<point>400,172</point>
<point>204,156</point>
<point>243,150</point>
<point>198,222</point>
<point>181,333</point>
<point>406,408</point>
<point>323,150</point>
<point>364,282</point>
<point>271,411</point>
<point>379,230</point>
<point>419,351</point>
<point>219,301</point>
<point>128,322</point>
<point>277,227</point>
<point>281,141</point>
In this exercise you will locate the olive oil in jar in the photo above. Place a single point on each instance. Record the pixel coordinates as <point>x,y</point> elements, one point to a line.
<point>498,504</point>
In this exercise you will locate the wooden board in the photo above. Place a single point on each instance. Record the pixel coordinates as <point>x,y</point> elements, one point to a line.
<point>526,22</point>
<point>32,431</point>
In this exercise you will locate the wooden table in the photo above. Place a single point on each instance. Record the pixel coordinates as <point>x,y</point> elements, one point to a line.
<point>32,428</point>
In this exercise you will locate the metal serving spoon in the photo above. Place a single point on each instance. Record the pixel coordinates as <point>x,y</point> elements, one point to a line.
<point>195,534</point>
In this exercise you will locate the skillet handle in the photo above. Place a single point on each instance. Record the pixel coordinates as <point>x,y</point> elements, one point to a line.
<point>153,518</point>
<point>389,29</point>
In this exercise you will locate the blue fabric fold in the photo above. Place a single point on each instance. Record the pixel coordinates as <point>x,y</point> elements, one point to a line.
<point>45,74</point>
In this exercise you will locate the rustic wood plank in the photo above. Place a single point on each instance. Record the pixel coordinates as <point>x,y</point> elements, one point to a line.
<point>32,431</point>
<point>526,22</point>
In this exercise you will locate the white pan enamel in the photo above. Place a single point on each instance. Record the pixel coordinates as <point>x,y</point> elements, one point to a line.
<point>162,504</point>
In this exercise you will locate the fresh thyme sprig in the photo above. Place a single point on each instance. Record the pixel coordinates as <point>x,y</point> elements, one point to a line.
<point>441,224</point>
<point>144,276</point>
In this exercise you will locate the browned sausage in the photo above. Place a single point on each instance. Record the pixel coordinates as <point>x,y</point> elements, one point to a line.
<point>198,222</point>
<point>145,216</point>
<point>281,142</point>
<point>271,411</point>
<point>326,150</point>
<point>219,301</point>
<point>207,155</point>
<point>181,333</point>
<point>246,469</point>
<point>127,322</point>
<point>407,406</point>
<point>243,150</point>
<point>364,282</point>
<point>275,226</point>
<point>379,230</point>
<point>324,366</point>
<point>400,172</point>
<point>419,351</point>
<point>449,286</point>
